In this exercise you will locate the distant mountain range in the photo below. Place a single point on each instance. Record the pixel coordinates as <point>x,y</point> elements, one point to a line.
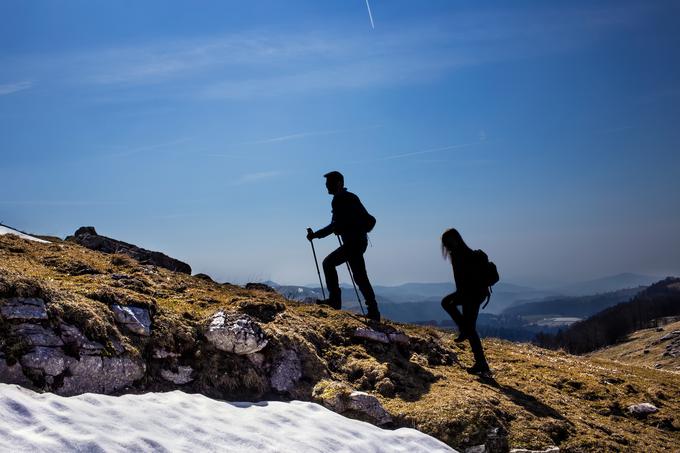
<point>418,302</point>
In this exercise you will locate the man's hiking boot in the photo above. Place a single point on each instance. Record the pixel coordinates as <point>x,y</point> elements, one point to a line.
<point>373,314</point>
<point>336,304</point>
<point>460,338</point>
<point>481,370</point>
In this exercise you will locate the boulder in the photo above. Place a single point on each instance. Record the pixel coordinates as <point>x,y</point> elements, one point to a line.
<point>88,237</point>
<point>236,333</point>
<point>340,398</point>
<point>23,308</point>
<point>135,319</point>
<point>180,377</point>
<point>287,371</point>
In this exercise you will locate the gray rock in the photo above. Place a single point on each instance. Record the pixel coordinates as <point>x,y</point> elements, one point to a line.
<point>369,406</point>
<point>180,377</point>
<point>73,336</point>
<point>372,335</point>
<point>37,335</point>
<point>13,374</point>
<point>51,361</point>
<point>399,338</point>
<point>120,372</point>
<point>642,409</point>
<point>381,337</point>
<point>235,333</point>
<point>287,371</point>
<point>257,359</point>
<point>101,374</point>
<point>86,376</point>
<point>135,319</point>
<point>163,354</point>
<point>547,450</point>
<point>476,449</point>
<point>23,308</point>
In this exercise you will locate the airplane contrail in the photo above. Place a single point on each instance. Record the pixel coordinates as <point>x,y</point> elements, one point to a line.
<point>370,16</point>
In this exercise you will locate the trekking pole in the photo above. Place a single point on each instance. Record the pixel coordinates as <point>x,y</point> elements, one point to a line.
<point>352,278</point>
<point>323,293</point>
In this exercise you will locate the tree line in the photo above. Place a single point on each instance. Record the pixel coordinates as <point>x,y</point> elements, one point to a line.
<point>614,324</point>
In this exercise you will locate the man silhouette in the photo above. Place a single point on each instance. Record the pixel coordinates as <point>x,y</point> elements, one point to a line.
<point>349,221</point>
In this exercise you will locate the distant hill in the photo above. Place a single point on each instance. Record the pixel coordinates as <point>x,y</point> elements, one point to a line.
<point>580,307</point>
<point>607,284</point>
<point>615,323</point>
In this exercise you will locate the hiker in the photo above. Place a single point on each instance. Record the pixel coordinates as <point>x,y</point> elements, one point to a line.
<point>471,275</point>
<point>351,222</point>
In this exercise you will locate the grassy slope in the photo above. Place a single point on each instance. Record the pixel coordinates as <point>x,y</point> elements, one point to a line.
<point>540,397</point>
<point>640,349</point>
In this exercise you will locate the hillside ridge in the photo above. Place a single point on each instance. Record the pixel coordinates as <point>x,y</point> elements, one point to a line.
<point>75,320</point>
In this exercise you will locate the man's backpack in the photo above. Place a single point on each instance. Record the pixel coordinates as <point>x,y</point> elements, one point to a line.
<point>369,222</point>
<point>487,273</point>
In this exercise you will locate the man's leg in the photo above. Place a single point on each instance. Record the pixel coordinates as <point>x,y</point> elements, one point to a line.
<point>334,259</point>
<point>358,267</point>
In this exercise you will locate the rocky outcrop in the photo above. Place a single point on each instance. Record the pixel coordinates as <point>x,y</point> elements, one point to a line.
<point>287,371</point>
<point>88,237</point>
<point>235,333</point>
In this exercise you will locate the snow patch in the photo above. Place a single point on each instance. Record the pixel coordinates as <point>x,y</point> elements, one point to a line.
<point>178,422</point>
<point>7,230</point>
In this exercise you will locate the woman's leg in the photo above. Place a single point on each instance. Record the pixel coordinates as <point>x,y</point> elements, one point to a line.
<point>449,305</point>
<point>470,314</point>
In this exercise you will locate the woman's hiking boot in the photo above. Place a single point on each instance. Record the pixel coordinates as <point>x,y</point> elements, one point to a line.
<point>482,370</point>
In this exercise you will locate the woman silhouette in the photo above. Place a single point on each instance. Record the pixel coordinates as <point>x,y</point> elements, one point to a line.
<point>470,293</point>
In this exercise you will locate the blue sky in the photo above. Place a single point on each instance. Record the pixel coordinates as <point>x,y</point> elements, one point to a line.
<point>546,132</point>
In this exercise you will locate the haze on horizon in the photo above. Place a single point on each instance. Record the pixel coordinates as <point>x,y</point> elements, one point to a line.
<point>546,132</point>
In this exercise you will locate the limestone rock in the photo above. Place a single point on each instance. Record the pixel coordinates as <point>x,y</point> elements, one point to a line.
<point>23,308</point>
<point>287,371</point>
<point>180,377</point>
<point>235,333</point>
<point>642,409</point>
<point>135,319</point>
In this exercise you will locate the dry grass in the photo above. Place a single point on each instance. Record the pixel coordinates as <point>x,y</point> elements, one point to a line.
<point>644,348</point>
<point>539,397</point>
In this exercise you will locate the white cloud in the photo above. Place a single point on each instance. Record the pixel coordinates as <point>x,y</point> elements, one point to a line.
<point>249,178</point>
<point>10,88</point>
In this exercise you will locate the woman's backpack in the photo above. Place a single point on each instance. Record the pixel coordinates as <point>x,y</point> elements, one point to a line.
<point>486,272</point>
